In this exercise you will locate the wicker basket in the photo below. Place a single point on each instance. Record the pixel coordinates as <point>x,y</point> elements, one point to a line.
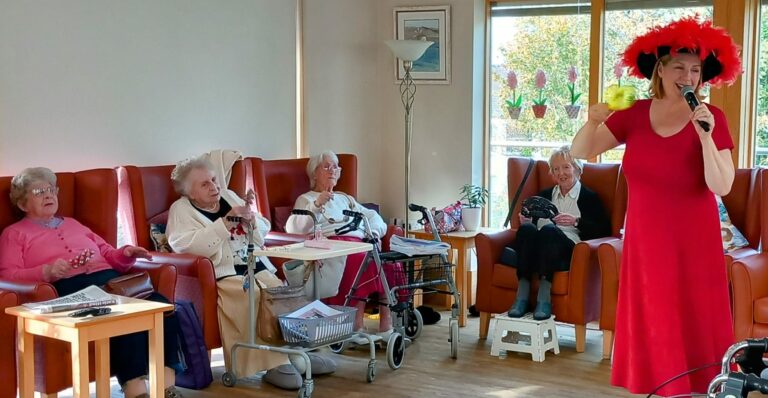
<point>315,332</point>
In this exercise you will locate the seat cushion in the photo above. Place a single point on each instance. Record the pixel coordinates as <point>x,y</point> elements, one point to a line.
<point>733,239</point>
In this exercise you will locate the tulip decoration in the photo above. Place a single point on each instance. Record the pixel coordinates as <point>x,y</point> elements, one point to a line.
<point>515,102</point>
<point>573,109</point>
<point>540,104</point>
<point>620,97</point>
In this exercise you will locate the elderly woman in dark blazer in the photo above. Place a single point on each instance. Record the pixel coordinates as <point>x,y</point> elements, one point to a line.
<point>545,246</point>
<point>43,247</point>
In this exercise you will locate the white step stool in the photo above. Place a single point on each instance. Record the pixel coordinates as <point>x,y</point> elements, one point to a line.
<point>525,335</point>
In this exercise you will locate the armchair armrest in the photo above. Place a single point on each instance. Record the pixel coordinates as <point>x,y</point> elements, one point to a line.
<point>30,291</point>
<point>489,247</point>
<point>391,230</point>
<point>750,282</point>
<point>609,257</point>
<point>584,281</point>
<point>163,278</point>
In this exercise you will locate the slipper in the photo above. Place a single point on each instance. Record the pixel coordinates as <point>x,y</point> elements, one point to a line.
<point>284,376</point>
<point>320,365</point>
<point>473,312</point>
<point>428,315</point>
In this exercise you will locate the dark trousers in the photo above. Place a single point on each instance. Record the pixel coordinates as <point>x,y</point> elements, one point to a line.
<point>542,251</point>
<point>129,354</point>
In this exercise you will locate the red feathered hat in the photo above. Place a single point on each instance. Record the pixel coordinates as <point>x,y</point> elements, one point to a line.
<point>715,47</point>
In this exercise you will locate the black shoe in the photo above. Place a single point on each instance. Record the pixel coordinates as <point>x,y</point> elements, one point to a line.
<point>473,312</point>
<point>519,308</point>
<point>543,311</point>
<point>428,315</point>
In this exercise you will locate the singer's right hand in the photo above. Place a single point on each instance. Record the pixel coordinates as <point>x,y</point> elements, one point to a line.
<point>598,113</point>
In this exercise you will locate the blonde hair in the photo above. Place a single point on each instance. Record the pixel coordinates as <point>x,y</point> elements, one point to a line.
<point>656,90</point>
<point>565,153</point>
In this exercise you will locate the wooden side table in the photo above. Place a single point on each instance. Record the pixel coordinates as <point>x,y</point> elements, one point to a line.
<point>463,242</point>
<point>130,315</point>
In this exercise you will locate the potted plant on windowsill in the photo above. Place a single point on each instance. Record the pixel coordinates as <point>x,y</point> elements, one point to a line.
<point>475,197</point>
<point>514,103</point>
<point>540,104</point>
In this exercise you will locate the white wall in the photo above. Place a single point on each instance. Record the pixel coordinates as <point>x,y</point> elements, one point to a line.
<point>342,99</point>
<point>87,83</point>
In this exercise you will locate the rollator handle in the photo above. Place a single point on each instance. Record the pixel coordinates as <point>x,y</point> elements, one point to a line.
<point>302,212</point>
<point>415,207</point>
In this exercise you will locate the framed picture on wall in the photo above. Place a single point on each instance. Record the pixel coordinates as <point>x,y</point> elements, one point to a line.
<point>430,23</point>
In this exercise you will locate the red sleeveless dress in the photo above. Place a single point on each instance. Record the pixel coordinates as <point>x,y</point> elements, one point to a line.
<point>673,311</point>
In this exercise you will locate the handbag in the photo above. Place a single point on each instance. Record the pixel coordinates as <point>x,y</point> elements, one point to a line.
<point>447,219</point>
<point>273,302</point>
<point>329,273</point>
<point>136,285</point>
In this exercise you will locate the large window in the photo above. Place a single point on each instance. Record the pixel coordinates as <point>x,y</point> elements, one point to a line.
<point>550,38</point>
<point>761,117</point>
<point>554,36</point>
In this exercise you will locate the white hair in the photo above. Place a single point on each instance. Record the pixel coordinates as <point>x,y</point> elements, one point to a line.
<point>21,182</point>
<point>181,172</point>
<point>565,153</point>
<point>315,161</point>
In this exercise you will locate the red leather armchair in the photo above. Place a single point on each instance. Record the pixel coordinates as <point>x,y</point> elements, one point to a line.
<point>749,274</point>
<point>575,293</point>
<point>149,191</point>
<point>8,347</point>
<point>744,208</point>
<point>90,197</point>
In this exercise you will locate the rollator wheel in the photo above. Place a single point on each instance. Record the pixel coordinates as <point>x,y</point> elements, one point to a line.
<point>228,379</point>
<point>454,339</point>
<point>371,372</point>
<point>395,350</point>
<point>338,348</point>
<point>414,325</point>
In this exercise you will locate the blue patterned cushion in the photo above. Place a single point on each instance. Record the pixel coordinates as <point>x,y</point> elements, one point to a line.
<point>732,238</point>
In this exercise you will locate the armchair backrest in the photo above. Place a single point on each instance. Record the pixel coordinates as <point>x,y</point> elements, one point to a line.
<point>603,178</point>
<point>279,182</point>
<point>88,196</point>
<point>149,192</point>
<point>744,205</point>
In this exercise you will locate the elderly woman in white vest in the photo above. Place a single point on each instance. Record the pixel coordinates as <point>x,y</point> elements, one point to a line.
<point>206,221</point>
<point>328,206</point>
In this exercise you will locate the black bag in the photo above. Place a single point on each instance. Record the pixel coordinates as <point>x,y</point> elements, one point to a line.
<point>509,257</point>
<point>197,367</point>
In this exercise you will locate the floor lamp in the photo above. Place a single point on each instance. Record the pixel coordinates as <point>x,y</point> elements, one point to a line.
<point>408,51</point>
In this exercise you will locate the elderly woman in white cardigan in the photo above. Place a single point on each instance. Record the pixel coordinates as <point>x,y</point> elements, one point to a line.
<point>204,221</point>
<point>328,206</point>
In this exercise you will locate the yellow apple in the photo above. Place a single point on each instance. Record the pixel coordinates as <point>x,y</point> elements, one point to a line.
<point>620,97</point>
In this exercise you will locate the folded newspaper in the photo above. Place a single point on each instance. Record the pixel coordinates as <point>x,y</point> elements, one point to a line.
<point>91,296</point>
<point>313,310</point>
<point>411,246</point>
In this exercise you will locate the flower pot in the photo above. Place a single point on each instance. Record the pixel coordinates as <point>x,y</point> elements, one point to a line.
<point>470,218</point>
<point>539,111</point>
<point>514,112</point>
<point>572,111</point>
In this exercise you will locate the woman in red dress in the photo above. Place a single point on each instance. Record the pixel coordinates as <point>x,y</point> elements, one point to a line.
<point>673,311</point>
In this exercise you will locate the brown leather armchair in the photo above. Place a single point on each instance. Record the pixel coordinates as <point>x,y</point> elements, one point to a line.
<point>90,197</point>
<point>149,193</point>
<point>575,293</point>
<point>269,180</point>
<point>744,208</point>
<point>749,274</point>
<point>8,347</point>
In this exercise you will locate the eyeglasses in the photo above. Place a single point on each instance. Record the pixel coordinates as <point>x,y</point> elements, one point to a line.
<point>332,168</point>
<point>38,192</point>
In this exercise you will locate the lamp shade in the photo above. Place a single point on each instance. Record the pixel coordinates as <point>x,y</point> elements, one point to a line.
<point>408,50</point>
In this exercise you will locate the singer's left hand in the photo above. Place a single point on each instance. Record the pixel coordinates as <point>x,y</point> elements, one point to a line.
<point>702,114</point>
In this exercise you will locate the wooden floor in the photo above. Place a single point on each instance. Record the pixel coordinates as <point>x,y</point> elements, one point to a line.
<point>428,371</point>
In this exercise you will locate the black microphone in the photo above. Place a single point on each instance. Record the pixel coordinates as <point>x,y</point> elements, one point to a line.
<point>693,102</point>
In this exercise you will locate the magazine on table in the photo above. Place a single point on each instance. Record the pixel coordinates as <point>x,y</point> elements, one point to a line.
<point>412,247</point>
<point>91,296</point>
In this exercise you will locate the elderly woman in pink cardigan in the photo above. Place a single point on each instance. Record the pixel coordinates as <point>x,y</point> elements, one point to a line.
<point>44,247</point>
